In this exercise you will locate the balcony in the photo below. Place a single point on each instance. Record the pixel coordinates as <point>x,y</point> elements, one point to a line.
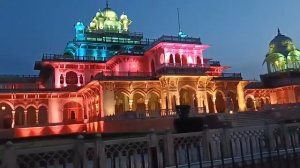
<point>182,69</point>
<point>113,75</point>
<point>18,78</point>
<point>226,76</point>
<point>57,57</point>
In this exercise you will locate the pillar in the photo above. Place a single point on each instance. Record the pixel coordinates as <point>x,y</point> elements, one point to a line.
<point>78,81</point>
<point>255,106</point>
<point>163,106</point>
<point>241,96</point>
<point>25,117</point>
<point>146,108</point>
<point>170,110</point>
<point>177,100</point>
<point>206,102</point>
<point>214,103</point>
<point>37,116</point>
<point>13,118</point>
<point>65,81</point>
<point>199,103</point>
<point>130,104</point>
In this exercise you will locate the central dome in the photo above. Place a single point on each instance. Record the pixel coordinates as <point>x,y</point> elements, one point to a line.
<point>109,14</point>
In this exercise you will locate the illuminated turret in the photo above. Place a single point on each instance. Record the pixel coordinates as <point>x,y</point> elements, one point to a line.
<point>283,55</point>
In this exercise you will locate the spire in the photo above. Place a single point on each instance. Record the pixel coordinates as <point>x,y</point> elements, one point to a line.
<point>278,31</point>
<point>178,17</point>
<point>106,3</point>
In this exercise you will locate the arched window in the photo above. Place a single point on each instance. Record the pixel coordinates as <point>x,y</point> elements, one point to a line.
<point>72,111</point>
<point>184,60</point>
<point>43,115</point>
<point>72,117</point>
<point>171,60</point>
<point>19,116</point>
<point>31,116</point>
<point>71,78</point>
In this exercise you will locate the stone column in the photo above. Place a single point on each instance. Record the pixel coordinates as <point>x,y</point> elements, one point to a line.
<point>65,80</point>
<point>177,100</point>
<point>170,110</point>
<point>214,103</point>
<point>200,103</point>
<point>13,120</point>
<point>163,106</point>
<point>25,117</point>
<point>146,108</point>
<point>206,102</point>
<point>78,81</point>
<point>37,116</point>
<point>241,96</point>
<point>130,104</point>
<point>255,106</point>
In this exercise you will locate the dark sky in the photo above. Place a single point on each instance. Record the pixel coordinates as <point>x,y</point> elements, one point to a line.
<point>238,31</point>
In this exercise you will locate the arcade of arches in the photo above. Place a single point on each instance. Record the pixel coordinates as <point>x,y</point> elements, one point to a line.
<point>159,98</point>
<point>20,116</point>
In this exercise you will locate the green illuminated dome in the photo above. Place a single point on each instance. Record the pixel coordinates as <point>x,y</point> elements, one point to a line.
<point>283,55</point>
<point>109,14</point>
<point>107,20</point>
<point>281,44</point>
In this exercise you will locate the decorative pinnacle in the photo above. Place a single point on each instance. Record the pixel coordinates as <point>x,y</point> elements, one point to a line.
<point>106,3</point>
<point>278,30</point>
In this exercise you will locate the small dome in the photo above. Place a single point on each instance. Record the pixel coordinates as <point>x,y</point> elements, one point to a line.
<point>123,17</point>
<point>281,44</point>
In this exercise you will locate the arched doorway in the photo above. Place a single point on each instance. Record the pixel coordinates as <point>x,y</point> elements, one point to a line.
<point>187,97</point>
<point>198,60</point>
<point>171,59</point>
<point>153,105</point>
<point>19,116</point>
<point>31,116</point>
<point>250,104</point>
<point>232,102</point>
<point>184,59</point>
<point>5,116</point>
<point>122,103</point>
<point>138,103</point>
<point>43,115</point>
<point>72,112</point>
<point>71,79</point>
<point>177,59</point>
<point>220,103</point>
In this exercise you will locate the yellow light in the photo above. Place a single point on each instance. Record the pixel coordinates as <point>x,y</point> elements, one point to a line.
<point>3,108</point>
<point>230,112</point>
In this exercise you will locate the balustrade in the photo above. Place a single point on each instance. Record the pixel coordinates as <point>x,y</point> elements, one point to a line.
<point>212,147</point>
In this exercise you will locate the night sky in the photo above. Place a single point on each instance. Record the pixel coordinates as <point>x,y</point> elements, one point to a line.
<point>238,31</point>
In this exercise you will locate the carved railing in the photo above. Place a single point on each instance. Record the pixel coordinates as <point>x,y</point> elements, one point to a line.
<point>263,146</point>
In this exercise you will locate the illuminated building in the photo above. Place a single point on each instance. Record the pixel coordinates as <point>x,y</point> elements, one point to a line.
<point>281,85</point>
<point>108,75</point>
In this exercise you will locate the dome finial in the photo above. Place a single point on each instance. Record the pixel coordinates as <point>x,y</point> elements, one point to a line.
<point>106,3</point>
<point>278,31</point>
